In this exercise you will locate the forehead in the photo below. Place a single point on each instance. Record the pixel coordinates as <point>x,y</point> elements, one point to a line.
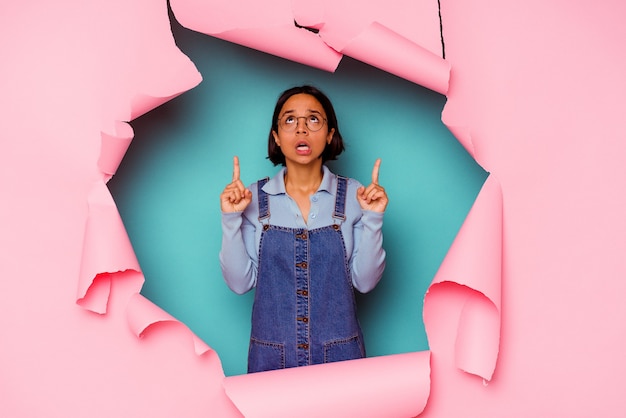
<point>302,102</point>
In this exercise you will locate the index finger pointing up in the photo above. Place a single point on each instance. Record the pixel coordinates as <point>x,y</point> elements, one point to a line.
<point>375,171</point>
<point>235,168</point>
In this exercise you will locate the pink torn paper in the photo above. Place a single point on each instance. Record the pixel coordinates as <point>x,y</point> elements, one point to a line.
<point>174,76</point>
<point>474,263</point>
<point>113,148</point>
<point>461,134</point>
<point>575,280</point>
<point>106,250</point>
<point>267,26</point>
<point>395,385</point>
<point>389,386</point>
<point>405,44</point>
<point>340,21</point>
<point>142,315</point>
<point>381,47</point>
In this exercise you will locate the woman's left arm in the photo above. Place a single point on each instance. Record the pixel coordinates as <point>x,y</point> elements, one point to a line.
<point>368,257</point>
<point>368,261</point>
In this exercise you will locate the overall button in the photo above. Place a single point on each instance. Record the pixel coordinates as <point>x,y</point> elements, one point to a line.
<point>266,227</point>
<point>335,227</point>
<point>303,292</point>
<point>302,264</point>
<point>303,346</point>
<point>301,236</point>
<point>303,319</point>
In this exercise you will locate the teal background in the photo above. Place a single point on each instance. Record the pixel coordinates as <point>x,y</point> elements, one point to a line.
<point>167,187</point>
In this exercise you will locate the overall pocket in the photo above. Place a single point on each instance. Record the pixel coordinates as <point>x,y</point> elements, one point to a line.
<point>264,356</point>
<point>343,349</point>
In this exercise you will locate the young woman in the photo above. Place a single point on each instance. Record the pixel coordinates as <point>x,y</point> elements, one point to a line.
<point>304,239</point>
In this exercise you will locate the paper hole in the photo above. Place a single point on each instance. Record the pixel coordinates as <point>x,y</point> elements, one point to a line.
<point>168,185</point>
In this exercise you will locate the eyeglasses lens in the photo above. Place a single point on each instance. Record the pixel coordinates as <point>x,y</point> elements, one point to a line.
<point>290,123</point>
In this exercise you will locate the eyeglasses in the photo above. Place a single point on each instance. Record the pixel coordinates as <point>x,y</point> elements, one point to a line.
<point>314,123</point>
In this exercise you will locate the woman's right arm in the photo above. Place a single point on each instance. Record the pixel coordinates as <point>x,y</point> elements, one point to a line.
<point>238,262</point>
<point>237,257</point>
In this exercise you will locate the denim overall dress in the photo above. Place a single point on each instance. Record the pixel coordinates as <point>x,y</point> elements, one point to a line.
<point>304,308</point>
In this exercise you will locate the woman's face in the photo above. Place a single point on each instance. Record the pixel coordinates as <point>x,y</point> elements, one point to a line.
<point>302,130</point>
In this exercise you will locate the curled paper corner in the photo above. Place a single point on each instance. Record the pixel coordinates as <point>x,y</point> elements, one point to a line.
<point>144,316</point>
<point>176,74</point>
<point>96,298</point>
<point>387,386</point>
<point>381,47</point>
<point>478,337</point>
<point>141,103</point>
<point>267,27</point>
<point>460,130</point>
<point>113,148</point>
<point>462,135</point>
<point>471,274</point>
<point>106,250</point>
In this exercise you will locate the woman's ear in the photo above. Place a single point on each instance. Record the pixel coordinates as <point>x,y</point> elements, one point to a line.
<point>276,139</point>
<point>329,137</point>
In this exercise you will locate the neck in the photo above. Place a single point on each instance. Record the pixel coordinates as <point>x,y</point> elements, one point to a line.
<point>304,179</point>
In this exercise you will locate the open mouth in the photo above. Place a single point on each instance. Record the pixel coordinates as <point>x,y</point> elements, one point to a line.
<point>303,148</point>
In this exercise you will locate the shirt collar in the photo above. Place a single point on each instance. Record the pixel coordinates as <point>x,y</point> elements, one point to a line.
<point>276,185</point>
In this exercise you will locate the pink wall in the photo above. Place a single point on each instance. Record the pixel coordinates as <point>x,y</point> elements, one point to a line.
<point>535,94</point>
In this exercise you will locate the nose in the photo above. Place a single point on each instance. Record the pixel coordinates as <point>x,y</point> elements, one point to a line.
<point>301,126</point>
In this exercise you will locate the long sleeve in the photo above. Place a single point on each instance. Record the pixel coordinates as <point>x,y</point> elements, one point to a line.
<point>362,232</point>
<point>368,257</point>
<point>238,262</point>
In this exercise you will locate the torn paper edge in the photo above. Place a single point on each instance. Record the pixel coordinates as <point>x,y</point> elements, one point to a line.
<point>95,269</point>
<point>396,385</point>
<point>474,260</point>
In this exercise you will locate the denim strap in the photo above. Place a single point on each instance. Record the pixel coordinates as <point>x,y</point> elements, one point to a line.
<point>340,198</point>
<point>264,206</point>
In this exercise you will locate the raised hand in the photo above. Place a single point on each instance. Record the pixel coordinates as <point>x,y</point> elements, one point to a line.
<point>373,197</point>
<point>235,197</point>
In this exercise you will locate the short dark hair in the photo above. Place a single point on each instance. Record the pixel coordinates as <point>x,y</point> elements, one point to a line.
<point>332,150</point>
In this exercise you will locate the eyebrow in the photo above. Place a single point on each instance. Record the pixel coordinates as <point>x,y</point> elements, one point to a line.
<point>309,110</point>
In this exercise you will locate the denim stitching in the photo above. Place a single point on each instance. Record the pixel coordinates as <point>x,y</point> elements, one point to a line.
<point>279,346</point>
<point>333,343</point>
